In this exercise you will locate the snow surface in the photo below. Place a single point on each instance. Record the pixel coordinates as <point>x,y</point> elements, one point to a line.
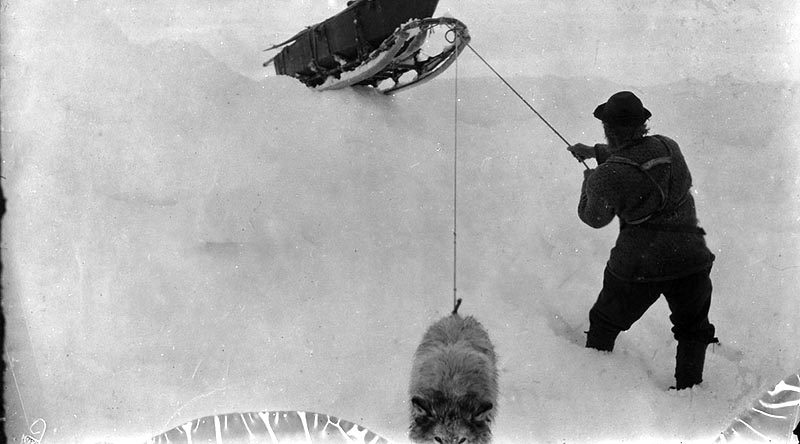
<point>182,240</point>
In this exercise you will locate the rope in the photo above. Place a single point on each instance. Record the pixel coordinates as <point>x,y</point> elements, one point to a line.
<point>525,101</point>
<point>456,301</point>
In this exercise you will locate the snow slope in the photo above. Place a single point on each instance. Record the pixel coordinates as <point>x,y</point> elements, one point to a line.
<point>182,241</point>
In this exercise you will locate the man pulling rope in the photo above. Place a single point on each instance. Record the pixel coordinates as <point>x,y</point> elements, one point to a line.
<point>644,181</point>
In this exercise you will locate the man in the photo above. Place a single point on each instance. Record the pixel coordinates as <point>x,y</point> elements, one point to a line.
<point>644,181</point>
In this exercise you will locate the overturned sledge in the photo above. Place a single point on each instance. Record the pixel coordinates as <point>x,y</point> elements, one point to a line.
<point>384,44</point>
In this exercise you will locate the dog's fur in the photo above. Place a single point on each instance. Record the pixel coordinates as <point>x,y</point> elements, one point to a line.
<point>453,384</point>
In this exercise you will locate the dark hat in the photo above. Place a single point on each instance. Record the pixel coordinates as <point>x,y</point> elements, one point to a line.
<point>623,108</point>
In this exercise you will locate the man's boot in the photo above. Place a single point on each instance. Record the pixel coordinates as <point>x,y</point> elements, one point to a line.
<point>601,337</point>
<point>689,363</point>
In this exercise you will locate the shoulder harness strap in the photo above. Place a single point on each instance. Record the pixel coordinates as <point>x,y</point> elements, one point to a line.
<point>644,168</point>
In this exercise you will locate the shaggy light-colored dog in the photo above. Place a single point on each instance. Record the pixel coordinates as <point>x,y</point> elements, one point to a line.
<point>453,384</point>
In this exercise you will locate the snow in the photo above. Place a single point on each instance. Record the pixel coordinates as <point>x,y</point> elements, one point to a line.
<point>183,240</point>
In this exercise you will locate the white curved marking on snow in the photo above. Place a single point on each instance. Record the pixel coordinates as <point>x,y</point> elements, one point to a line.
<point>217,431</point>
<point>188,428</point>
<point>780,405</point>
<point>768,414</point>
<point>303,420</point>
<point>337,425</point>
<point>751,428</point>
<point>358,433</point>
<point>783,386</point>
<point>246,427</point>
<point>265,418</point>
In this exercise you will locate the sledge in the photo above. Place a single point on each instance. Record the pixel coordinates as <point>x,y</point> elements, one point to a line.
<point>383,44</point>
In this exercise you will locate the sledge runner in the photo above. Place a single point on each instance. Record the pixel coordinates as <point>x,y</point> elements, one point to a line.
<point>645,182</point>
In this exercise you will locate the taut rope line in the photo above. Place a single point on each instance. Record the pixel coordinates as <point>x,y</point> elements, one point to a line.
<point>456,301</point>
<point>525,101</point>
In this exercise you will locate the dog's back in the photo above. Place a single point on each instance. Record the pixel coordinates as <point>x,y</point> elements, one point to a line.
<point>453,383</point>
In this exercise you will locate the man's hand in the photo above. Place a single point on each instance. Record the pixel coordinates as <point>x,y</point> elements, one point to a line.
<point>581,151</point>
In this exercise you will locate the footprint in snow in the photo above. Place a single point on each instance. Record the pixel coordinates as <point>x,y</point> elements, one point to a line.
<point>727,351</point>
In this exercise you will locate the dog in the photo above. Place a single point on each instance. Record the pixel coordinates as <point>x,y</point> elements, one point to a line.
<point>453,385</point>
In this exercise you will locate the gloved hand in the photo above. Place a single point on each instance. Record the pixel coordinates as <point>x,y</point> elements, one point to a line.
<point>581,151</point>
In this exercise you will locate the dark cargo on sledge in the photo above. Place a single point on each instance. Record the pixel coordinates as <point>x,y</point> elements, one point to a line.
<point>368,42</point>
